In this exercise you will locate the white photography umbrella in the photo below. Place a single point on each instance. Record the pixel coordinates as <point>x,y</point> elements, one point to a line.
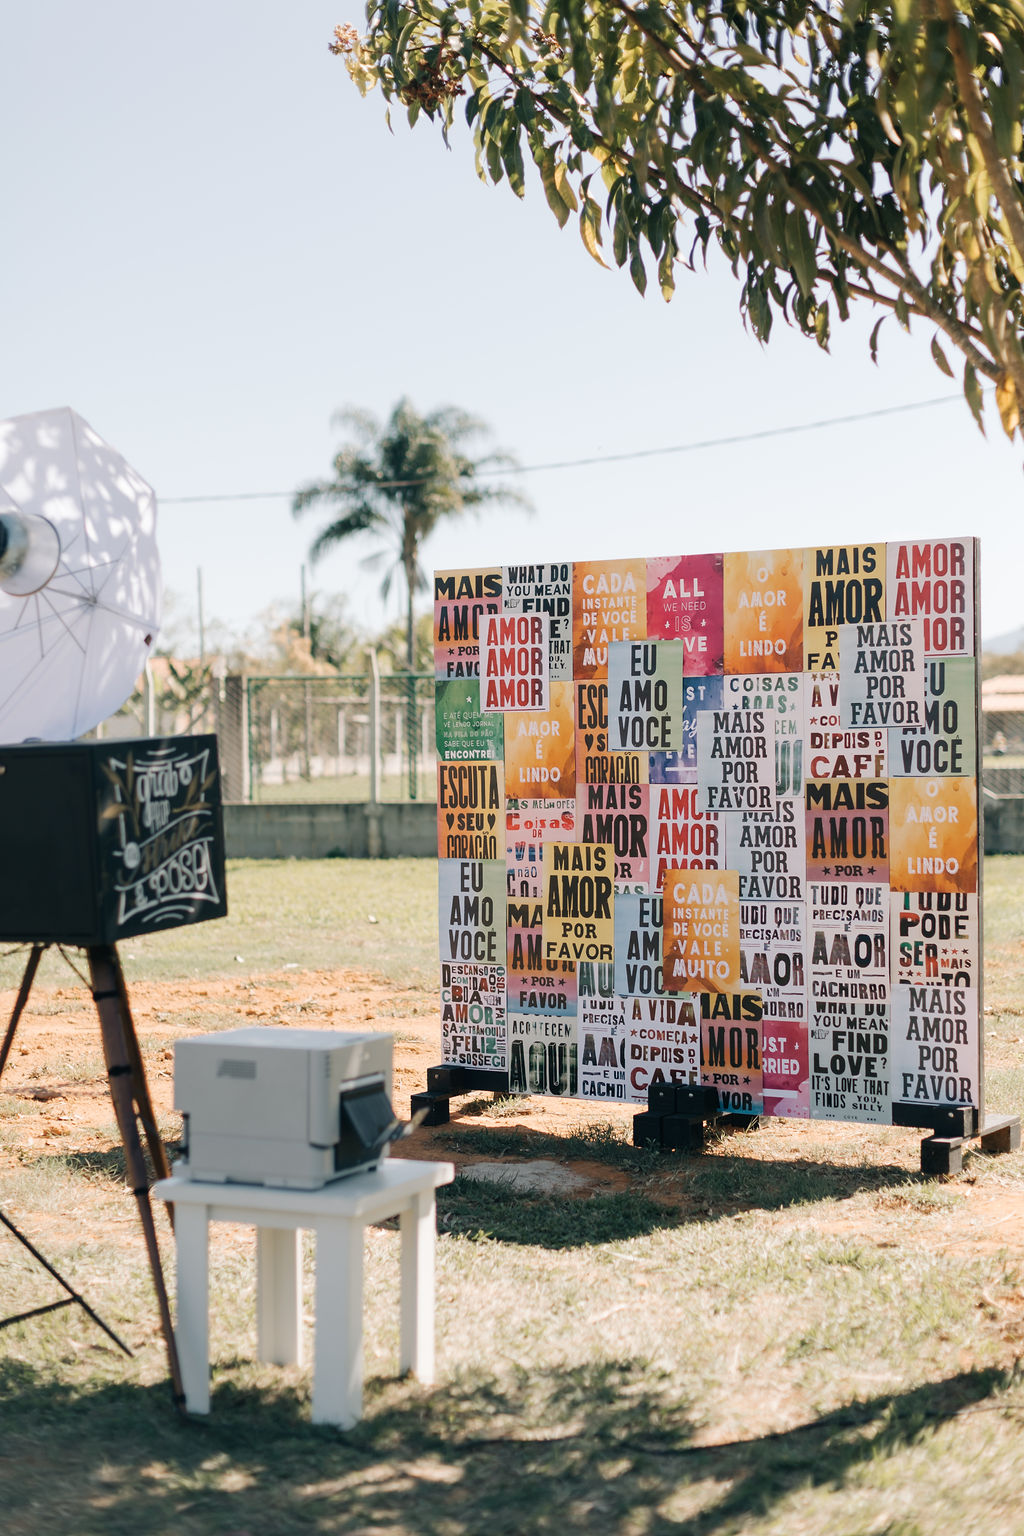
<point>79,577</point>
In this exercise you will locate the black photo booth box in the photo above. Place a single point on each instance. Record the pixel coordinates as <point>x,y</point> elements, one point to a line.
<point>104,840</point>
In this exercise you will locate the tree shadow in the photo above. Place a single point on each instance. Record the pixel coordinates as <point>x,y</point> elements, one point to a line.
<point>568,1449</point>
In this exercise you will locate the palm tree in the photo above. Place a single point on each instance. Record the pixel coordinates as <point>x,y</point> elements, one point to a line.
<point>400,480</point>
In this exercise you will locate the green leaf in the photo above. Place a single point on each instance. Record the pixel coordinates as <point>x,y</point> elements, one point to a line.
<point>941,360</point>
<point>972,394</point>
<point>801,252</point>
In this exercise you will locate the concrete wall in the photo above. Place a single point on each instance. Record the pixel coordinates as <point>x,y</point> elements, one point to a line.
<point>1004,824</point>
<point>410,831</point>
<point>331,831</point>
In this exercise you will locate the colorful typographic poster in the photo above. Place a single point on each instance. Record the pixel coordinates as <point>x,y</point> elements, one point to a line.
<point>684,602</point>
<point>933,581</point>
<point>529,824</point>
<point>700,695</point>
<point>936,1056</point>
<point>847,829</point>
<point>514,661</point>
<point>731,1050</point>
<point>619,814</point>
<point>473,1030</point>
<point>882,675</point>
<point>683,835</point>
<point>736,759</point>
<point>544,589</point>
<point>464,733</point>
<point>461,599</point>
<point>945,743</point>
<point>783,695</point>
<point>848,963</point>
<point>595,764</point>
<point>832,752</point>
<point>772,961</point>
<point>768,850</point>
<point>718,822</point>
<point>602,1034</point>
<point>471,899</point>
<point>843,584</point>
<point>579,903</point>
<point>645,696</point>
<point>470,810</point>
<point>935,939</point>
<point>934,831</point>
<point>639,921</point>
<point>764,611</point>
<point>540,749</point>
<point>701,942</point>
<point>609,604</point>
<point>532,983</point>
<point>662,1044</point>
<point>851,1063</point>
<point>785,1065</point>
<point>543,1054</point>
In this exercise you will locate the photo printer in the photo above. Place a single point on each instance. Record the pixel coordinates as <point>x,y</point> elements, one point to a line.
<point>294,1108</point>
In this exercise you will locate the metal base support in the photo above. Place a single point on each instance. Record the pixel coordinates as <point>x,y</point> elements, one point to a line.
<point>678,1118</point>
<point>447,1082</point>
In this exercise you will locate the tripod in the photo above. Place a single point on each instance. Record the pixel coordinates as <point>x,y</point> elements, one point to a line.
<point>129,1094</point>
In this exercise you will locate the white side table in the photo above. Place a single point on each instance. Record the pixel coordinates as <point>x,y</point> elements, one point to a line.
<point>338,1213</point>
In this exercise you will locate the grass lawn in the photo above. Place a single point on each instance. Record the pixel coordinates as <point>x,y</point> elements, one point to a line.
<point>755,1341</point>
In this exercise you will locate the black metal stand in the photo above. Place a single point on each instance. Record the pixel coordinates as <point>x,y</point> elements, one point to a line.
<point>678,1119</point>
<point>73,1298</point>
<point>447,1083</point>
<point>130,1096</point>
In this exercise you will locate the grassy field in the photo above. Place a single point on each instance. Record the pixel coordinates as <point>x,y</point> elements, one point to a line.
<point>748,1342</point>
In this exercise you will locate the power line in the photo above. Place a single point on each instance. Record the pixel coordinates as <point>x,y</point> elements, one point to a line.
<point>612,458</point>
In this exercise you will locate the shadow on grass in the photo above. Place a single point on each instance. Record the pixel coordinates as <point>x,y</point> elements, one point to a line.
<point>104,1165</point>
<point>566,1450</point>
<point>721,1179</point>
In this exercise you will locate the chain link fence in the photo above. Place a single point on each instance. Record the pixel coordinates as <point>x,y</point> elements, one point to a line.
<point>348,737</point>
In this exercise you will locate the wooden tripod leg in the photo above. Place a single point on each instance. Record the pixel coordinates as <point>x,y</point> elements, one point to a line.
<point>19,1007</point>
<point>140,1087</point>
<point>107,995</point>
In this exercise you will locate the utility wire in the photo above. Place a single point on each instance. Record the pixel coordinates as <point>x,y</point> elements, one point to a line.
<point>609,458</point>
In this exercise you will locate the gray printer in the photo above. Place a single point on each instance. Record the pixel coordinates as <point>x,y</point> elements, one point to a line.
<point>294,1108</point>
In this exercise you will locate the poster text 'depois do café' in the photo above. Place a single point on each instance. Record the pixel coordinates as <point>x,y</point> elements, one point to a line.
<point>713,818</point>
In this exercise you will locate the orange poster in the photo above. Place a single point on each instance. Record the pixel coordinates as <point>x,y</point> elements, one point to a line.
<point>540,749</point>
<point>609,603</point>
<point>933,835</point>
<point>764,611</point>
<point>701,941</point>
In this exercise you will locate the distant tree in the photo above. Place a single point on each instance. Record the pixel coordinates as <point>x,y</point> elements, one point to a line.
<point>399,480</point>
<point>322,639</point>
<point>390,645</point>
<point>840,152</point>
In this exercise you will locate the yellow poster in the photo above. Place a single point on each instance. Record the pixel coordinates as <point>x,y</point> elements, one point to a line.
<point>701,941</point>
<point>843,584</point>
<point>540,749</point>
<point>764,611</point>
<point>579,904</point>
<point>933,835</point>
<point>609,603</point>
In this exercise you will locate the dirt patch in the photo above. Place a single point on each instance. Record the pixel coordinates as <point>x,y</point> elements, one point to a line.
<point>56,1069</point>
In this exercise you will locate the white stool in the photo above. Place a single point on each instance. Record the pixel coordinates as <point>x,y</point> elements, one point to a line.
<point>337,1213</point>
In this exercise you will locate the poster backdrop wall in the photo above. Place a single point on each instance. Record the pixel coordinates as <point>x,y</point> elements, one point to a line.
<point>714,819</point>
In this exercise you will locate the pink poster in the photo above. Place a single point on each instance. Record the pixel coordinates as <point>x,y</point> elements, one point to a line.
<point>684,602</point>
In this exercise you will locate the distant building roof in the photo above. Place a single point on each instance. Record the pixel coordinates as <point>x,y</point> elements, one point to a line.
<point>1003,694</point>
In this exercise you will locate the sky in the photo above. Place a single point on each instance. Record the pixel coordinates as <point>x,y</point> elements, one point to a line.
<point>212,243</point>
